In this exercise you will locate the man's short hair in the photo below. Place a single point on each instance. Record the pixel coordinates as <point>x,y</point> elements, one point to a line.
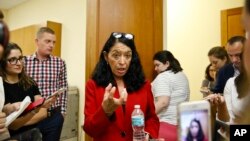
<point>44,30</point>
<point>234,39</point>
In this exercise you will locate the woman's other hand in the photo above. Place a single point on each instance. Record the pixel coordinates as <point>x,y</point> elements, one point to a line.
<point>11,107</point>
<point>49,102</point>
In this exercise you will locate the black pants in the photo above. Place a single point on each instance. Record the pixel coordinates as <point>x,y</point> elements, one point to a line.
<point>30,135</point>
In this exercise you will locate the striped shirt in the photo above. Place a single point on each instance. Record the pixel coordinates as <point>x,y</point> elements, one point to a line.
<point>174,85</point>
<point>50,75</point>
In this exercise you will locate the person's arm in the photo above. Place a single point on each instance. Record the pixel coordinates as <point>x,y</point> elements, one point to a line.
<point>63,84</point>
<point>161,89</point>
<point>30,118</point>
<point>151,120</point>
<point>222,111</point>
<point>223,75</point>
<point>228,93</point>
<point>161,103</point>
<point>218,88</point>
<point>219,107</point>
<point>95,118</point>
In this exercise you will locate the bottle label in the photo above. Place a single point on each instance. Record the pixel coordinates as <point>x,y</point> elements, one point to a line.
<point>138,121</point>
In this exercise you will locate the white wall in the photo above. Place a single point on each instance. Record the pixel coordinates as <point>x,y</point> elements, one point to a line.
<point>192,28</point>
<point>72,15</point>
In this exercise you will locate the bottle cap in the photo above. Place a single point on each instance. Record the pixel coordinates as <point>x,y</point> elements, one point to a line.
<point>137,106</point>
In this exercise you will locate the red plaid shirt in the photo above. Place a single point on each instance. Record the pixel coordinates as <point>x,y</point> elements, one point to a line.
<point>50,75</point>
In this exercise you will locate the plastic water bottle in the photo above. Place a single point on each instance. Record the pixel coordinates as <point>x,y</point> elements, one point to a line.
<point>138,124</point>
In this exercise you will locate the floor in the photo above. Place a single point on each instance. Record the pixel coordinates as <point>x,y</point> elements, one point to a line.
<point>71,139</point>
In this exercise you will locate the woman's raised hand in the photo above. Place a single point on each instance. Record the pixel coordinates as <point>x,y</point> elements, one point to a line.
<point>110,103</point>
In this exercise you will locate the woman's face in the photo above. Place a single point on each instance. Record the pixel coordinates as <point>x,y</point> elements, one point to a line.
<point>159,66</point>
<point>14,62</point>
<point>194,129</point>
<point>212,71</point>
<point>119,59</point>
<point>216,62</point>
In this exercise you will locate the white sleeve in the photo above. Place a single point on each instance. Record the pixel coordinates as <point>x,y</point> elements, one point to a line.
<point>2,95</point>
<point>161,86</point>
<point>228,95</point>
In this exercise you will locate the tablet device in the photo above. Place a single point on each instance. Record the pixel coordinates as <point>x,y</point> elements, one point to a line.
<point>57,93</point>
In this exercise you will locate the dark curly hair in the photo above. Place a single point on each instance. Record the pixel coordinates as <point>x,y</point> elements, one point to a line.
<point>200,135</point>
<point>133,79</point>
<point>164,56</point>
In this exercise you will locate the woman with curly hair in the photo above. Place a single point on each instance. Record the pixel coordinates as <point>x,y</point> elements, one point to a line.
<point>170,87</point>
<point>117,84</point>
<point>209,82</point>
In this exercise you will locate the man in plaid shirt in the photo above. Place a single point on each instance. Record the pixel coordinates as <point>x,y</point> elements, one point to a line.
<point>50,74</point>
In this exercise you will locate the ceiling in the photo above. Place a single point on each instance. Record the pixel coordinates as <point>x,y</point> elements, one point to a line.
<point>7,4</point>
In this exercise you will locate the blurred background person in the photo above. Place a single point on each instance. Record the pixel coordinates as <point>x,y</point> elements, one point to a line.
<point>209,82</point>
<point>218,57</point>
<point>4,39</point>
<point>50,74</point>
<point>170,88</point>
<point>234,50</point>
<point>17,85</point>
<point>242,82</point>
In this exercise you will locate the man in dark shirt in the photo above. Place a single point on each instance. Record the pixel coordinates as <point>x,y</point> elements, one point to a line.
<point>234,49</point>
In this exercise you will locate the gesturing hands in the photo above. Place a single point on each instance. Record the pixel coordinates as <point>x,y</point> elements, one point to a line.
<point>215,99</point>
<point>110,103</point>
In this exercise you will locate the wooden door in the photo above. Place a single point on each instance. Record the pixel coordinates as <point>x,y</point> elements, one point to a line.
<point>143,18</point>
<point>231,24</point>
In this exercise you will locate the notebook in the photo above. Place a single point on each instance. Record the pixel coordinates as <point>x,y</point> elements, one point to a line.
<point>11,117</point>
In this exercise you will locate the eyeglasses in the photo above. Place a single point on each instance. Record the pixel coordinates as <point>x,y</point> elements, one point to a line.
<point>14,60</point>
<point>118,35</point>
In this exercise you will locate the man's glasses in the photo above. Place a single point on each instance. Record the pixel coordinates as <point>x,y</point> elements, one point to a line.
<point>118,35</point>
<point>14,60</point>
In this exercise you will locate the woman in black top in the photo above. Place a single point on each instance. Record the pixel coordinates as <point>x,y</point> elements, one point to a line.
<point>17,85</point>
